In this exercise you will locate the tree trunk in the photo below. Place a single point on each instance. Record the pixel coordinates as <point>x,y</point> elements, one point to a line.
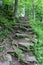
<point>34,13</point>
<point>15,7</point>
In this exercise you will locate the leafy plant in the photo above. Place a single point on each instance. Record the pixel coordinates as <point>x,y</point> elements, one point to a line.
<point>20,55</point>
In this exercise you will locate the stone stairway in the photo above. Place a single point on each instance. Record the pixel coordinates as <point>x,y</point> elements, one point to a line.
<point>23,39</point>
<point>23,25</point>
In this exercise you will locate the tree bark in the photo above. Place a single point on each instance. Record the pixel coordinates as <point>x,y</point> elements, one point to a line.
<point>34,13</point>
<point>15,7</point>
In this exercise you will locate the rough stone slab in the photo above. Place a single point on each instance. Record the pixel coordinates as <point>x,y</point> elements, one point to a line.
<point>35,64</point>
<point>7,60</point>
<point>23,24</point>
<point>30,29</point>
<point>27,39</point>
<point>4,63</point>
<point>30,58</point>
<point>10,50</point>
<point>16,63</point>
<point>21,35</point>
<point>26,44</point>
<point>34,40</point>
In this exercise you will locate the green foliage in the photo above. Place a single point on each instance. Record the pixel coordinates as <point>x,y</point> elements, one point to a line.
<point>3,47</point>
<point>31,7</point>
<point>21,5</point>
<point>9,2</point>
<point>37,25</point>
<point>20,54</point>
<point>38,47</point>
<point>3,34</point>
<point>7,25</point>
<point>38,29</point>
<point>8,8</point>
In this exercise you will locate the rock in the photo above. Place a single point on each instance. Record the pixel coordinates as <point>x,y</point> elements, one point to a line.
<point>29,30</point>
<point>18,35</point>
<point>27,39</point>
<point>30,58</point>
<point>26,44</point>
<point>4,63</point>
<point>23,24</point>
<point>16,63</point>
<point>10,50</point>
<point>8,57</point>
<point>7,61</point>
<point>35,64</point>
<point>34,40</point>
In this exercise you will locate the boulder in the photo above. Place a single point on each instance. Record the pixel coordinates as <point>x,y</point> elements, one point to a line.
<point>7,61</point>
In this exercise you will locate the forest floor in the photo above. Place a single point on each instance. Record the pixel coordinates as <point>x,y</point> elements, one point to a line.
<point>24,38</point>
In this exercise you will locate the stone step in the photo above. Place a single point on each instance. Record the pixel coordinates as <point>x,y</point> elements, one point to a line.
<point>23,24</point>
<point>23,28</point>
<point>32,39</point>
<point>21,21</point>
<point>4,63</point>
<point>21,63</point>
<point>25,44</point>
<point>11,50</point>
<point>7,60</point>
<point>16,63</point>
<point>23,34</point>
<point>18,35</point>
<point>24,18</point>
<point>30,58</point>
<point>26,57</point>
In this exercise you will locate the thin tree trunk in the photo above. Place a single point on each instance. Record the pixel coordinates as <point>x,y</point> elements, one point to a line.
<point>34,13</point>
<point>42,14</point>
<point>15,7</point>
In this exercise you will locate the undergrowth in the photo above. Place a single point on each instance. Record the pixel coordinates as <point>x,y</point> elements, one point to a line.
<point>38,47</point>
<point>20,55</point>
<point>6,25</point>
